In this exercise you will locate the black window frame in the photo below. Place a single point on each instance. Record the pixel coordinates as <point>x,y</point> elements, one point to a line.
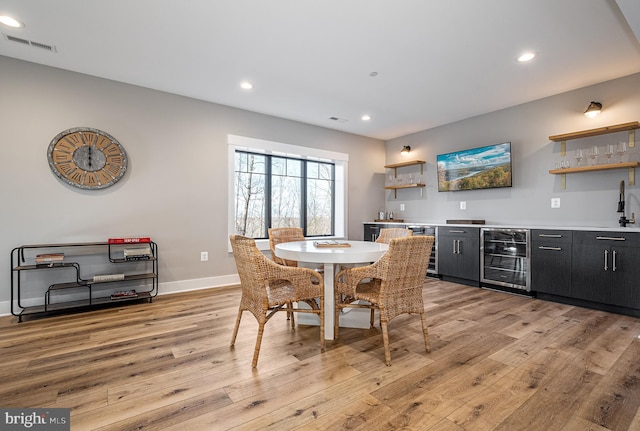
<point>303,199</point>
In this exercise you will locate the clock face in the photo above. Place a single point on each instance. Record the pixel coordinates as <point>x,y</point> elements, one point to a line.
<point>87,158</point>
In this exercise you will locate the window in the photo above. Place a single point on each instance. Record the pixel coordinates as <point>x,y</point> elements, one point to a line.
<point>280,185</point>
<point>273,191</point>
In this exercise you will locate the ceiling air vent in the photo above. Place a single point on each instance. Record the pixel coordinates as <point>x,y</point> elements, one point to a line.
<point>47,47</point>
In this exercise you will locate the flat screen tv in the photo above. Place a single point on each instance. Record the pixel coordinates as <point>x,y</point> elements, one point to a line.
<point>477,168</point>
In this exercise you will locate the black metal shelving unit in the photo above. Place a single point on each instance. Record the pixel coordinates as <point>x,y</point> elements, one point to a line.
<point>92,291</point>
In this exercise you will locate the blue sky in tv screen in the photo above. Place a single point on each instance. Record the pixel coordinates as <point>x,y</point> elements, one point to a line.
<point>476,168</point>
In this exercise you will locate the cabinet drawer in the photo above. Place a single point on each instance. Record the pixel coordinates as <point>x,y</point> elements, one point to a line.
<point>459,232</point>
<point>539,236</point>
<point>607,239</point>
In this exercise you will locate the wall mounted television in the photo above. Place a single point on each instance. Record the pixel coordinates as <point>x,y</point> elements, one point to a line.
<point>476,168</point>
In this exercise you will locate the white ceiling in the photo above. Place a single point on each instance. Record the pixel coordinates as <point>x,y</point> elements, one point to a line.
<point>438,61</point>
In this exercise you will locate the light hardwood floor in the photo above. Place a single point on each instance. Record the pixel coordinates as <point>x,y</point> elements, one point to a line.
<point>498,362</point>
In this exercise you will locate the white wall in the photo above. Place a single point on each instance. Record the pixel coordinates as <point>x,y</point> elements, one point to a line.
<point>175,189</point>
<point>590,199</point>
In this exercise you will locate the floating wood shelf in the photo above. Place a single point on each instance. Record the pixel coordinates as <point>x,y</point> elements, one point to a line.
<point>403,164</point>
<point>595,168</point>
<point>395,167</point>
<point>631,127</point>
<point>628,165</point>
<point>595,132</point>
<point>404,186</point>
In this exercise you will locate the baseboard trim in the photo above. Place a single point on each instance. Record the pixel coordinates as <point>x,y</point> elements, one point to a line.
<point>167,288</point>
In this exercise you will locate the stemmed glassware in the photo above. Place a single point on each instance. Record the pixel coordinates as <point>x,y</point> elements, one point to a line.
<point>593,155</point>
<point>609,151</point>
<point>579,155</point>
<point>621,148</point>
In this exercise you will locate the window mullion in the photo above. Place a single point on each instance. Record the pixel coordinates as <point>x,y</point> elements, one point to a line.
<point>303,198</point>
<point>268,193</point>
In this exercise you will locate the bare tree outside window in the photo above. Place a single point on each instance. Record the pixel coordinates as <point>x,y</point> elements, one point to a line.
<point>286,187</point>
<point>319,199</point>
<point>272,191</point>
<point>250,196</point>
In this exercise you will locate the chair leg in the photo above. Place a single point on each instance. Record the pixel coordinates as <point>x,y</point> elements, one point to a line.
<point>235,329</point>
<point>256,352</point>
<point>425,332</point>
<point>385,340</point>
<point>291,314</point>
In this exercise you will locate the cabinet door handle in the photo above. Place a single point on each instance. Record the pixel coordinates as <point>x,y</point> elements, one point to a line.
<point>459,246</point>
<point>611,238</point>
<point>455,248</point>
<point>613,261</point>
<point>456,231</point>
<point>606,260</point>
<point>548,235</point>
<point>544,247</point>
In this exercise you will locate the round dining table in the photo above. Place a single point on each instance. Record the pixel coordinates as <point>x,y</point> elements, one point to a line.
<point>331,257</point>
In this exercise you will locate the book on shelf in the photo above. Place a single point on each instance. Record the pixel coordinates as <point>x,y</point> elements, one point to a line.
<point>129,240</point>
<point>101,278</point>
<point>123,294</point>
<point>49,258</point>
<point>137,253</point>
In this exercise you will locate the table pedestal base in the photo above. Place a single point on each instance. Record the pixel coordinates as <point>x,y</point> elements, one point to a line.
<point>349,318</point>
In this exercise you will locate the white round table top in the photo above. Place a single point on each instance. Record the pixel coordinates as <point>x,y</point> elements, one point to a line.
<point>306,251</point>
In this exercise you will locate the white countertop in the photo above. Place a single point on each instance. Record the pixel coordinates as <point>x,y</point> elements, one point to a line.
<point>631,228</point>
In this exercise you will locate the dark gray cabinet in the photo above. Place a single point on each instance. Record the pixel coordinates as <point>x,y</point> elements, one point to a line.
<point>459,253</point>
<point>606,268</point>
<point>551,252</point>
<point>372,231</point>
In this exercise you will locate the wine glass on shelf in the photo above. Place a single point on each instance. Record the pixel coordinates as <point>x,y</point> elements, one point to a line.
<point>593,155</point>
<point>621,149</point>
<point>609,150</point>
<point>579,155</point>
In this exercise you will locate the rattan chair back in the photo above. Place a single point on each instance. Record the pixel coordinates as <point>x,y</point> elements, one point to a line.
<point>279,235</point>
<point>388,233</point>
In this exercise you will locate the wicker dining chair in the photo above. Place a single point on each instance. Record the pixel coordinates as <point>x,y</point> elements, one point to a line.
<point>392,232</point>
<point>393,285</point>
<point>268,287</point>
<point>278,235</point>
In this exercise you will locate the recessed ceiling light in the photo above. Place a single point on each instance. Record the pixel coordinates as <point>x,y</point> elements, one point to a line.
<point>366,117</point>
<point>246,85</point>
<point>527,56</point>
<point>10,22</point>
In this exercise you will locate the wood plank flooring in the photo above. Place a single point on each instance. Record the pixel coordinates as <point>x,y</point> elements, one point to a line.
<point>498,362</point>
